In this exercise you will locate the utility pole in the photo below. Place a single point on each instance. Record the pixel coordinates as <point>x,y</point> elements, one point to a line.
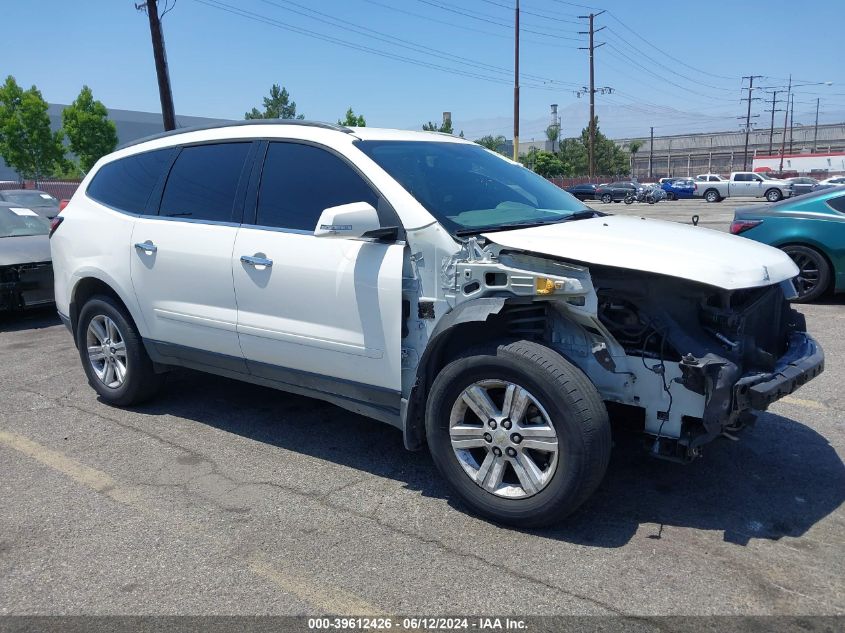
<point>772,125</point>
<point>791,119</point>
<point>750,79</point>
<point>651,154</point>
<point>786,112</point>
<point>592,89</point>
<point>516,83</point>
<point>167,113</point>
<point>816,127</point>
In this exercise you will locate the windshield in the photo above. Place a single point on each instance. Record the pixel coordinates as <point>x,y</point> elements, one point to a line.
<point>17,222</point>
<point>470,189</point>
<point>30,198</point>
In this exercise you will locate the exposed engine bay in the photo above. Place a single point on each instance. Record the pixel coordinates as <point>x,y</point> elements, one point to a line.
<point>693,360</point>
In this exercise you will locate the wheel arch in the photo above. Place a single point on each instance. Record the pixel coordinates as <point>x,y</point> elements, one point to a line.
<point>455,331</point>
<point>89,285</point>
<point>808,243</point>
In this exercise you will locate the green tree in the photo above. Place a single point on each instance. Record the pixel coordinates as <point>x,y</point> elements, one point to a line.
<point>611,160</point>
<point>276,106</point>
<point>353,120</point>
<point>27,143</point>
<point>544,163</point>
<point>633,148</point>
<point>495,143</point>
<point>553,133</point>
<point>445,127</point>
<point>88,129</point>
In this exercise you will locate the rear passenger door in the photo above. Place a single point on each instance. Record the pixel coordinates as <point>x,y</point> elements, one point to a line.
<point>181,256</point>
<point>325,312</point>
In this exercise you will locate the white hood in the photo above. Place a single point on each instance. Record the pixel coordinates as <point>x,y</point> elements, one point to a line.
<point>667,248</point>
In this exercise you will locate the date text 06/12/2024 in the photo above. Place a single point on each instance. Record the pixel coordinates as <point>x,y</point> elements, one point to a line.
<point>415,623</point>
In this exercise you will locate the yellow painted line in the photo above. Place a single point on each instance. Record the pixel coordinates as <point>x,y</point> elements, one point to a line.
<point>810,404</point>
<point>334,601</point>
<point>327,599</point>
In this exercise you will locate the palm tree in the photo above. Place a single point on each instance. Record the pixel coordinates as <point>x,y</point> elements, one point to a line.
<point>634,147</point>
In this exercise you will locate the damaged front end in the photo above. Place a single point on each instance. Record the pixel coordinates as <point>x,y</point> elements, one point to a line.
<point>24,286</point>
<point>715,355</point>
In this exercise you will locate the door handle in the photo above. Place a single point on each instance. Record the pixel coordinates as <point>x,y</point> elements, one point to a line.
<point>254,260</point>
<point>147,247</point>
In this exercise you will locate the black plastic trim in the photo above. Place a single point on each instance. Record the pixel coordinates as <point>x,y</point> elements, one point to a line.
<point>375,402</point>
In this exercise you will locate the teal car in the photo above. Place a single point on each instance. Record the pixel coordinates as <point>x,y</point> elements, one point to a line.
<point>810,229</point>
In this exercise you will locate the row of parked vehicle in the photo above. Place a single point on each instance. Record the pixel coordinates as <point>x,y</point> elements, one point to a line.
<point>711,187</point>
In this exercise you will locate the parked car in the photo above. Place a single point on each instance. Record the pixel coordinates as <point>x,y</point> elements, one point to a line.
<point>811,230</point>
<point>744,184</point>
<point>26,274</point>
<point>617,191</point>
<point>426,282</point>
<point>804,184</point>
<point>585,191</point>
<point>39,201</point>
<point>835,180</point>
<point>710,178</point>
<point>679,188</point>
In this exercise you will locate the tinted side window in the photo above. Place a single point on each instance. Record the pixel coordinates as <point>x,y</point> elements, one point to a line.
<point>127,183</point>
<point>299,181</point>
<point>203,182</point>
<point>837,204</point>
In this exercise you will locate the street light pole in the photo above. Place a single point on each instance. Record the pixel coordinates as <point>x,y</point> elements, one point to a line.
<point>785,116</point>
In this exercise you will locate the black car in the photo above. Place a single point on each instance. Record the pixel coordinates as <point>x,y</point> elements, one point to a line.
<point>39,201</point>
<point>26,268</point>
<point>805,184</point>
<point>616,191</point>
<point>584,191</point>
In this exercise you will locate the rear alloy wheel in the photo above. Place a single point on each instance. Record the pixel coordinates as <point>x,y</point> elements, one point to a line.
<point>113,354</point>
<point>712,196</point>
<point>813,272</point>
<point>774,195</point>
<point>606,198</point>
<point>520,434</point>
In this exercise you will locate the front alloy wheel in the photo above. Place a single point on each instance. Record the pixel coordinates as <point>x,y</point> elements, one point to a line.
<point>503,439</point>
<point>518,432</point>
<point>107,351</point>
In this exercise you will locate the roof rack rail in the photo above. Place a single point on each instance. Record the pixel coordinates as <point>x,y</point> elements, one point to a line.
<point>214,126</point>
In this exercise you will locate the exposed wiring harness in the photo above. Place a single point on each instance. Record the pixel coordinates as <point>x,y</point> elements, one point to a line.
<point>658,368</point>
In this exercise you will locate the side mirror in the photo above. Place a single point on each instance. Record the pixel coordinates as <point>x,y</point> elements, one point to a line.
<point>348,220</point>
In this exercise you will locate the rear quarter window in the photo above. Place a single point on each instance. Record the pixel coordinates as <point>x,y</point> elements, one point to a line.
<point>127,183</point>
<point>837,204</point>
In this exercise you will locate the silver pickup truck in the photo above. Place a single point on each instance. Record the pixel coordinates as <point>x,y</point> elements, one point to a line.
<point>741,184</point>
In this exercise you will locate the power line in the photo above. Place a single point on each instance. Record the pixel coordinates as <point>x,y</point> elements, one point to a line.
<point>216,4</point>
<point>392,39</point>
<point>659,50</point>
<point>545,16</point>
<point>492,20</point>
<point>749,99</point>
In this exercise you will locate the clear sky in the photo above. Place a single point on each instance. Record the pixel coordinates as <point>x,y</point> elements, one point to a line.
<point>675,65</point>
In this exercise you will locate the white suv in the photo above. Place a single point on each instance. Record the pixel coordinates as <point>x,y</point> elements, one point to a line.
<point>427,282</point>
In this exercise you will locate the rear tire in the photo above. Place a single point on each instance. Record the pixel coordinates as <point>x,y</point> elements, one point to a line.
<point>523,485</point>
<point>774,195</point>
<point>113,355</point>
<point>606,198</point>
<point>814,277</point>
<point>712,195</point>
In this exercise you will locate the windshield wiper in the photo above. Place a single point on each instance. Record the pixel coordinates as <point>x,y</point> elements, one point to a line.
<point>578,215</point>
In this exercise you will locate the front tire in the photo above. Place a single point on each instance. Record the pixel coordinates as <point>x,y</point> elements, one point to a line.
<point>814,272</point>
<point>519,433</point>
<point>113,355</point>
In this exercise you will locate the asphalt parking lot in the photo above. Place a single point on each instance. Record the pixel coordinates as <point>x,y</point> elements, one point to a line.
<point>226,498</point>
<point>717,215</point>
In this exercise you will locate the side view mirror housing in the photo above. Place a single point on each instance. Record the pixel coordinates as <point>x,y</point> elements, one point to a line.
<point>355,220</point>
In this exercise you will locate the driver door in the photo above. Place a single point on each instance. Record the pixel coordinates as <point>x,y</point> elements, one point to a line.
<point>316,311</point>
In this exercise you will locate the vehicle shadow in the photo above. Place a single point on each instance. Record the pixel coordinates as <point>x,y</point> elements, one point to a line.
<point>779,480</point>
<point>30,320</point>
